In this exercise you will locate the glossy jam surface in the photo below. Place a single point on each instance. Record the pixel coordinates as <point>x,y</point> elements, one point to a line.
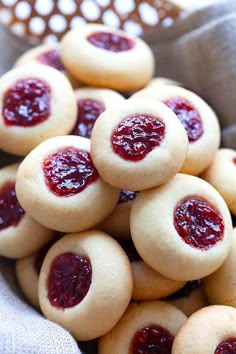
<point>189,117</point>
<point>52,58</point>
<point>130,250</point>
<point>69,171</point>
<point>198,223</point>
<point>152,340</point>
<point>27,103</point>
<point>111,41</point>
<point>69,280</point>
<point>88,112</point>
<point>127,196</point>
<point>187,290</point>
<point>228,346</point>
<point>136,136</point>
<point>11,212</point>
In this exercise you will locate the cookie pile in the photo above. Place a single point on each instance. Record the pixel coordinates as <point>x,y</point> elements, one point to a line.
<point>119,212</point>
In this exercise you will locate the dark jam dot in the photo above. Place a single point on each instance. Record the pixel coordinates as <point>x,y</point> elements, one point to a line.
<point>136,136</point>
<point>228,346</point>
<point>152,340</point>
<point>198,223</point>
<point>111,41</point>
<point>69,280</point>
<point>234,160</point>
<point>11,212</point>
<point>52,58</point>
<point>130,250</point>
<point>188,116</point>
<point>187,290</point>
<point>88,111</point>
<point>69,171</point>
<point>126,196</point>
<point>27,103</point>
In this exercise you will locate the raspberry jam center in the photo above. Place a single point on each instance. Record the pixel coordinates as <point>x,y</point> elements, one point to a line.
<point>228,346</point>
<point>126,196</point>
<point>187,290</point>
<point>11,212</point>
<point>27,103</point>
<point>52,58</point>
<point>188,116</point>
<point>88,111</point>
<point>69,280</point>
<point>198,223</point>
<point>111,41</point>
<point>234,160</point>
<point>136,136</point>
<point>69,171</point>
<point>152,340</point>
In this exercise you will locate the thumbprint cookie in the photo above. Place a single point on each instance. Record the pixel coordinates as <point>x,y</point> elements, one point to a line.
<point>59,186</point>
<point>102,56</point>
<point>186,223</point>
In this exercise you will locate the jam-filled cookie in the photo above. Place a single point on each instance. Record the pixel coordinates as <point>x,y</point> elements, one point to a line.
<point>146,327</point>
<point>27,273</point>
<point>36,103</point>
<point>222,175</point>
<point>20,235</point>
<point>59,186</point>
<point>186,223</point>
<point>198,119</point>
<point>148,284</point>
<point>138,145</point>
<point>190,298</point>
<point>91,103</point>
<point>107,57</point>
<point>220,286</point>
<point>47,54</point>
<point>85,283</point>
<point>210,330</point>
<point>117,224</point>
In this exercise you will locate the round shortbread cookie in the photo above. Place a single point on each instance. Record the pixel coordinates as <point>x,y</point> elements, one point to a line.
<point>145,327</point>
<point>186,223</point>
<point>20,235</point>
<point>91,103</point>
<point>190,298</point>
<point>107,57</point>
<point>32,109</point>
<point>138,145</point>
<point>221,174</point>
<point>95,288</point>
<point>210,330</point>
<point>220,286</point>
<point>59,186</point>
<point>198,119</point>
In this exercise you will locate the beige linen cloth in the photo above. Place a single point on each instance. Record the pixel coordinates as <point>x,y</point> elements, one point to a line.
<point>199,51</point>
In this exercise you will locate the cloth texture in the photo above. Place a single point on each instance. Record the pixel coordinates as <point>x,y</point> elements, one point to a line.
<point>200,52</point>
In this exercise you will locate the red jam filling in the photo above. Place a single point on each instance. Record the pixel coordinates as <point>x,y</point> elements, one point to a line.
<point>187,290</point>
<point>228,346</point>
<point>111,41</point>
<point>126,196</point>
<point>136,136</point>
<point>130,250</point>
<point>52,58</point>
<point>69,280</point>
<point>234,160</point>
<point>11,212</point>
<point>69,171</point>
<point>152,340</point>
<point>27,103</point>
<point>198,223</point>
<point>88,111</point>
<point>188,116</point>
